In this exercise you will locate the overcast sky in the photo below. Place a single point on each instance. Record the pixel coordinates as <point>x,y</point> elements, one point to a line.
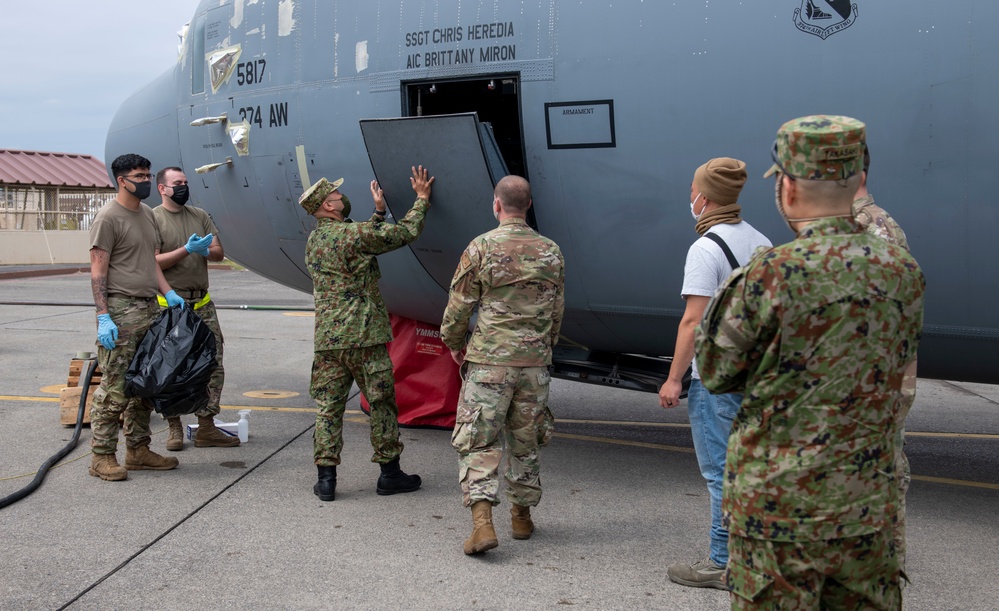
<point>67,65</point>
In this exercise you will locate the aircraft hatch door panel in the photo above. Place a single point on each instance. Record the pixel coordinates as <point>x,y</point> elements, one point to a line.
<point>465,161</point>
<point>494,158</point>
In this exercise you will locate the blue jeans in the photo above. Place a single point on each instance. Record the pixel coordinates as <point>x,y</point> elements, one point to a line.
<point>710,423</point>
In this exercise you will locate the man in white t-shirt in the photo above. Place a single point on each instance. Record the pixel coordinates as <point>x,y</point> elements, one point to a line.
<point>726,242</point>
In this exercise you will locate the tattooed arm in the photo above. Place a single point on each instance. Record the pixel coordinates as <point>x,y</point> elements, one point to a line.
<point>99,260</point>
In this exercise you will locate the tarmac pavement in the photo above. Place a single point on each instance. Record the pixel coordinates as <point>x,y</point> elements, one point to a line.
<point>241,528</point>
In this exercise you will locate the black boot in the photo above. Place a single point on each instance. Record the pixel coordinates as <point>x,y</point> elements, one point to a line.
<point>325,488</point>
<point>393,480</point>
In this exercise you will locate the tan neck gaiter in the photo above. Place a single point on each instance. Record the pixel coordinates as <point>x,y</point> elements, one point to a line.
<point>729,214</point>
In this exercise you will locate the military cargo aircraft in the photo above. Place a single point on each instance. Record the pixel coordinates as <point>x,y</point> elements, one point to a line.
<point>607,108</point>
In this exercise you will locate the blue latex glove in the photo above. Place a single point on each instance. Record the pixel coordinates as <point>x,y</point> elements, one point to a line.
<point>199,245</point>
<point>107,331</point>
<point>173,299</point>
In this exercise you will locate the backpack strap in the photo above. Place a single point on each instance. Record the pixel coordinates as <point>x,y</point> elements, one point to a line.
<point>717,239</point>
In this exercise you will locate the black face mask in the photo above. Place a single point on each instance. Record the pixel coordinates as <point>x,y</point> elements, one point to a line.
<point>181,193</point>
<point>142,189</point>
<point>346,206</point>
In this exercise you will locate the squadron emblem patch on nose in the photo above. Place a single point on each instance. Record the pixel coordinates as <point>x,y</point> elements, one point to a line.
<point>823,18</point>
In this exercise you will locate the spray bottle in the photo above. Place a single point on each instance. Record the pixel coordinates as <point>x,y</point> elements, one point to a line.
<point>243,426</point>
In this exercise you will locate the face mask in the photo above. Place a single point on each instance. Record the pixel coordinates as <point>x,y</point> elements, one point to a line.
<point>346,206</point>
<point>496,212</point>
<point>142,189</point>
<point>697,217</point>
<point>181,193</point>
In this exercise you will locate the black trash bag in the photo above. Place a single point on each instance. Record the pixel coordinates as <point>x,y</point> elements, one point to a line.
<point>173,363</point>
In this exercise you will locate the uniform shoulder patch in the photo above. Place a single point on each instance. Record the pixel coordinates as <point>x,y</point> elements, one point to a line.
<point>465,264</point>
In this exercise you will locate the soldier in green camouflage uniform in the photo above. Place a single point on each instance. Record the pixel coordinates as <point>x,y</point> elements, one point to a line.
<point>352,326</point>
<point>124,279</point>
<point>817,334</point>
<point>515,278</point>
<point>878,222</point>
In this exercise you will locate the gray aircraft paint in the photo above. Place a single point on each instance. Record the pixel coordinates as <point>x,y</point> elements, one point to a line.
<point>614,105</point>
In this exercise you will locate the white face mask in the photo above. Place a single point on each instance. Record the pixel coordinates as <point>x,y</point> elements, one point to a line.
<point>496,210</point>
<point>697,217</point>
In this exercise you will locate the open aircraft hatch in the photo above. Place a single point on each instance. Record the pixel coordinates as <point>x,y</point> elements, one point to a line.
<point>462,155</point>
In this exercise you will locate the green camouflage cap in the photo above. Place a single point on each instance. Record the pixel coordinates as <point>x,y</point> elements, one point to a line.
<point>317,193</point>
<point>819,147</point>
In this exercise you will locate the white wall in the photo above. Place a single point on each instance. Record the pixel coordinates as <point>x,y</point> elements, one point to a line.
<point>44,247</point>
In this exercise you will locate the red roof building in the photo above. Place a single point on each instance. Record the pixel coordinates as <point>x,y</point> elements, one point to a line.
<point>52,170</point>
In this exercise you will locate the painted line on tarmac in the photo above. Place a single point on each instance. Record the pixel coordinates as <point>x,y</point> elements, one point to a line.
<point>687,426</point>
<point>952,435</point>
<point>270,394</point>
<point>955,482</point>
<point>621,442</point>
<point>41,399</point>
<point>264,408</point>
<point>565,420</point>
<point>678,425</point>
<point>634,444</point>
<point>657,446</point>
<point>268,408</point>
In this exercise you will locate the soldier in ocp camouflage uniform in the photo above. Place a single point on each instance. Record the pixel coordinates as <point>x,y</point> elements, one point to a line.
<point>133,318</point>
<point>124,278</point>
<point>352,325</point>
<point>878,222</point>
<point>817,334</point>
<point>187,240</point>
<point>872,217</point>
<point>515,277</point>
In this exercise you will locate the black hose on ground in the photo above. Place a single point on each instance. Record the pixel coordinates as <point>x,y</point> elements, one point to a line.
<point>44,469</point>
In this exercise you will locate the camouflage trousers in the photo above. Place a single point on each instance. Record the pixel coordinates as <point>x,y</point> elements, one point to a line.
<point>333,373</point>
<point>133,317</point>
<point>502,405</point>
<point>211,319</point>
<point>850,573</point>
<point>902,472</point>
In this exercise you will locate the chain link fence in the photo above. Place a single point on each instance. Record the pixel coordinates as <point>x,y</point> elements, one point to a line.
<point>50,209</point>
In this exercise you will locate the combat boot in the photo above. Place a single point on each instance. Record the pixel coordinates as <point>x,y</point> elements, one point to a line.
<point>137,459</point>
<point>209,435</point>
<point>523,526</point>
<point>105,466</point>
<point>393,480</point>
<point>483,535</point>
<point>175,436</point>
<point>701,574</point>
<point>325,488</point>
